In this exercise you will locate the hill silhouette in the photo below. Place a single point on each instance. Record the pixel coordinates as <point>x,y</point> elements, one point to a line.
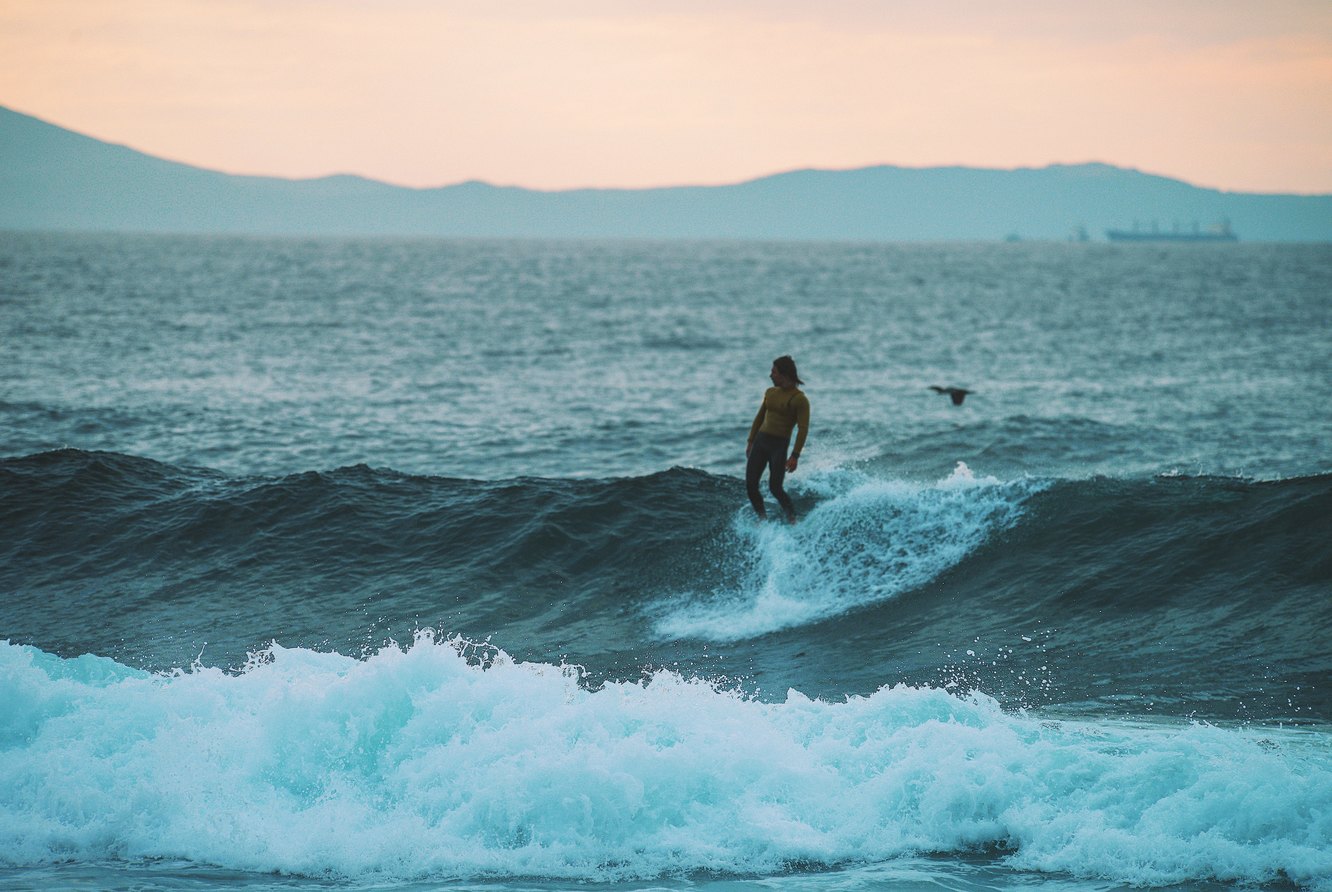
<point>55,179</point>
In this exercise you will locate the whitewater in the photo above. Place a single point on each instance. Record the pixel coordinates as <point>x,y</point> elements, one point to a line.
<point>417,762</point>
<point>377,564</point>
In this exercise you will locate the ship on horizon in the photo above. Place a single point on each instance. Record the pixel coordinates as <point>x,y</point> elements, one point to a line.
<point>1221,232</point>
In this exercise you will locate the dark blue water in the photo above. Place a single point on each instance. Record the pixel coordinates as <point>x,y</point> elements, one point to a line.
<point>380,564</point>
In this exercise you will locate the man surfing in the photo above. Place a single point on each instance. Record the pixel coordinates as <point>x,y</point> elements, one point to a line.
<point>784,407</point>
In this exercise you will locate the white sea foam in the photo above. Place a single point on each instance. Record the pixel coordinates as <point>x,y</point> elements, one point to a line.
<point>419,762</point>
<point>866,540</point>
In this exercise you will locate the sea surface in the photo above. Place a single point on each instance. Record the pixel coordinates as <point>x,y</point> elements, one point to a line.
<point>414,565</point>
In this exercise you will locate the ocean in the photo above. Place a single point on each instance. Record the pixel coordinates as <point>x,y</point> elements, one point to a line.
<point>416,564</point>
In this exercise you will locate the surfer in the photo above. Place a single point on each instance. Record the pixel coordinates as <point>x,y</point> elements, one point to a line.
<point>784,407</point>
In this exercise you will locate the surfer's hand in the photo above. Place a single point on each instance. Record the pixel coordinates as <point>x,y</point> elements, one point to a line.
<point>791,463</point>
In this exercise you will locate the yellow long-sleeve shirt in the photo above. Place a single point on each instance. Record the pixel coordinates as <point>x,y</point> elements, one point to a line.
<point>781,411</point>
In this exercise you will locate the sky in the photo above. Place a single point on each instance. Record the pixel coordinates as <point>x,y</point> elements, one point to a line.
<point>639,93</point>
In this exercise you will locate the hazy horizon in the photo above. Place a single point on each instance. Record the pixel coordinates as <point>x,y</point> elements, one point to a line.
<point>740,178</point>
<point>630,96</point>
<point>649,187</point>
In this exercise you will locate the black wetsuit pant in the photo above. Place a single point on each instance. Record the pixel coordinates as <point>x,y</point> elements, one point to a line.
<point>768,451</point>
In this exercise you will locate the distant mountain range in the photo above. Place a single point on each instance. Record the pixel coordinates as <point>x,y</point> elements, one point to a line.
<point>55,179</point>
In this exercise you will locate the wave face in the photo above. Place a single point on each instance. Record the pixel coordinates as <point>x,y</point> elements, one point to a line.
<point>864,542</point>
<point>1037,592</point>
<point>443,760</point>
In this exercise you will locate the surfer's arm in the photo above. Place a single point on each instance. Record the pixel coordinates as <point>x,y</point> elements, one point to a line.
<point>802,421</point>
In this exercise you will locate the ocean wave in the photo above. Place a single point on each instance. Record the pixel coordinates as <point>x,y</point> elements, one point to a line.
<point>1162,589</point>
<point>864,541</point>
<point>444,760</point>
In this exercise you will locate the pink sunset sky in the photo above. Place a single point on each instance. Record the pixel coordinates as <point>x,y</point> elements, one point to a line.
<point>556,95</point>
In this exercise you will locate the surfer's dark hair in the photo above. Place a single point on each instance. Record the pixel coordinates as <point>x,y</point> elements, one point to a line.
<point>786,365</point>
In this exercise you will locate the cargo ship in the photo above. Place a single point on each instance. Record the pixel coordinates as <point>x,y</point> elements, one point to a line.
<point>1218,233</point>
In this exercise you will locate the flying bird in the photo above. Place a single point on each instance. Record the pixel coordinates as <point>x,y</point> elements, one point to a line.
<point>956,394</point>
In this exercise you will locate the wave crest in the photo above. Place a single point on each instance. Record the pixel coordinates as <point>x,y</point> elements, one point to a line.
<point>867,540</point>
